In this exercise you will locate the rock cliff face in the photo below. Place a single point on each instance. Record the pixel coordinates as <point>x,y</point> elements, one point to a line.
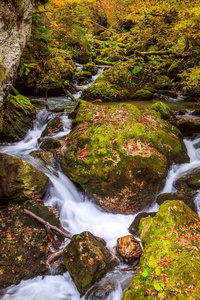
<point>15,29</point>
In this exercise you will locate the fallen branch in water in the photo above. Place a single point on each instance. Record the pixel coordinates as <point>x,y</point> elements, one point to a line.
<point>47,225</point>
<point>145,55</point>
<point>125,269</point>
<point>56,255</point>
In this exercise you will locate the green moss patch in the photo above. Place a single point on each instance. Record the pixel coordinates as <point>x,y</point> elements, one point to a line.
<point>120,154</point>
<point>170,265</point>
<point>18,114</point>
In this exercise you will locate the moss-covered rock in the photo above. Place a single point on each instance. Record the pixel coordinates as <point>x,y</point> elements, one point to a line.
<point>24,243</point>
<point>90,67</point>
<point>87,259</point>
<point>54,126</point>
<point>163,83</point>
<point>82,76</point>
<point>50,144</point>
<point>170,263</point>
<point>189,180</point>
<point>143,95</point>
<point>186,197</point>
<point>187,126</point>
<point>19,180</point>
<point>122,81</point>
<point>45,157</point>
<point>134,227</point>
<point>39,76</point>
<point>165,112</point>
<point>18,114</point>
<point>120,154</point>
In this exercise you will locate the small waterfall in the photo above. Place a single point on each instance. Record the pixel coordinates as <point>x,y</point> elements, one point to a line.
<point>76,216</point>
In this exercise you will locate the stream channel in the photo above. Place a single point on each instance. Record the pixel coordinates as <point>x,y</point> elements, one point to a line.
<point>77,215</point>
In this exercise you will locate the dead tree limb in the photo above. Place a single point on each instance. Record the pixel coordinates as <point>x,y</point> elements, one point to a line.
<point>56,255</point>
<point>47,225</point>
<point>125,269</point>
<point>145,55</point>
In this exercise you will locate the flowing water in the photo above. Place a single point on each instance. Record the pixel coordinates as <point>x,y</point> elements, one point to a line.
<point>77,215</point>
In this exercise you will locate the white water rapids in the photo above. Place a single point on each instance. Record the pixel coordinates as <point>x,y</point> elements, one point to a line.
<point>77,216</point>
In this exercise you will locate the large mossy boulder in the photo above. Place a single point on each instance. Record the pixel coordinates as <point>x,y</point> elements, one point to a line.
<point>170,263</point>
<point>19,180</point>
<point>24,243</point>
<point>120,154</point>
<point>17,116</point>
<point>122,81</point>
<point>87,259</point>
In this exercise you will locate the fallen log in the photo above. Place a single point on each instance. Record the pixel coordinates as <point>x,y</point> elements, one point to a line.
<point>47,225</point>
<point>145,55</point>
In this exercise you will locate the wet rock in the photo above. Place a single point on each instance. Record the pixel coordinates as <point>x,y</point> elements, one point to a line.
<point>19,180</point>
<point>188,127</point>
<point>167,93</point>
<point>90,67</point>
<point>18,114</point>
<point>24,243</point>
<point>50,144</point>
<point>187,198</point>
<point>87,259</point>
<point>189,180</point>
<point>170,260</point>
<point>54,126</point>
<point>101,290</point>
<point>120,155</point>
<point>83,75</point>
<point>129,249</point>
<point>134,227</point>
<point>44,157</point>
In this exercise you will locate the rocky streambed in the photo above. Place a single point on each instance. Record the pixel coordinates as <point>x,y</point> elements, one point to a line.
<point>111,152</point>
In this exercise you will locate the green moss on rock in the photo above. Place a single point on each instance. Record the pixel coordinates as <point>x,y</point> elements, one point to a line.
<point>163,109</point>
<point>18,114</point>
<point>120,154</point>
<point>87,260</point>
<point>163,83</point>
<point>170,263</point>
<point>143,95</point>
<point>121,82</point>
<point>90,67</point>
<point>20,181</point>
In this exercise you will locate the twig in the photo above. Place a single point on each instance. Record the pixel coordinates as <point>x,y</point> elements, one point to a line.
<point>46,224</point>
<point>55,256</point>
